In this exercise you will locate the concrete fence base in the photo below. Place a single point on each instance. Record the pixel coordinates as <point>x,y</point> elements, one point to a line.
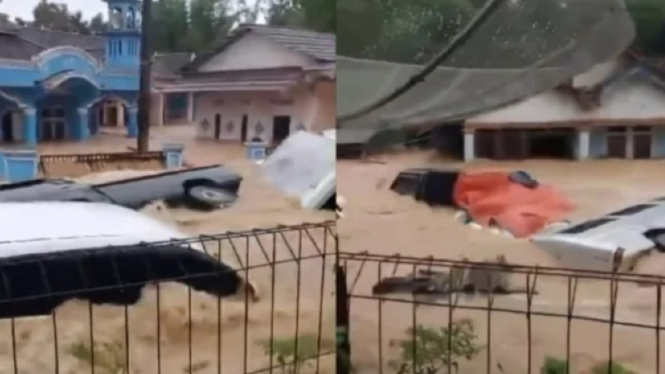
<point>17,166</point>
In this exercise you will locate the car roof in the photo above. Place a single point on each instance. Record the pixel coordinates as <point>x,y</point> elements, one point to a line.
<point>46,227</point>
<point>624,228</point>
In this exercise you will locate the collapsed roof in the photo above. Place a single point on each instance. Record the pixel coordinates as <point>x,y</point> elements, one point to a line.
<point>468,82</point>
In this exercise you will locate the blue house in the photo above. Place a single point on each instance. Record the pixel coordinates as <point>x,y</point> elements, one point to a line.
<point>53,85</point>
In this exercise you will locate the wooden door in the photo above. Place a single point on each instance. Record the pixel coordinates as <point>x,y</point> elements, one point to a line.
<point>642,139</point>
<point>513,142</point>
<point>617,140</point>
<point>484,144</point>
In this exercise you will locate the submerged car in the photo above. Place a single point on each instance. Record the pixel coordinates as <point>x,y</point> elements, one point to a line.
<point>203,188</point>
<point>51,252</point>
<point>614,242</point>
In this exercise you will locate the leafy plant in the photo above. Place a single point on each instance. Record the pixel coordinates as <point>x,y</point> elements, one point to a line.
<point>554,365</point>
<point>284,351</point>
<point>616,368</point>
<point>109,357</point>
<point>431,350</point>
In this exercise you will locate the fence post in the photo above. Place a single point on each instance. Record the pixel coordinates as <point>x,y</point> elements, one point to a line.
<point>342,320</point>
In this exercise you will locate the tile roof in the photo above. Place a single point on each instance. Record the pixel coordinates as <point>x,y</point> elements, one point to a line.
<point>22,43</point>
<point>168,64</point>
<point>321,46</point>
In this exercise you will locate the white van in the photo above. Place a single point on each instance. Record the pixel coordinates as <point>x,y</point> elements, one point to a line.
<point>613,242</point>
<point>98,252</point>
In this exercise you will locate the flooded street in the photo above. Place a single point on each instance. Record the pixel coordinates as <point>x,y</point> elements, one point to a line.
<point>381,221</point>
<point>376,220</point>
<point>260,206</point>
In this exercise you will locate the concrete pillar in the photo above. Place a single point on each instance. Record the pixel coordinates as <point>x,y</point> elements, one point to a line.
<point>160,108</point>
<point>630,145</point>
<point>133,125</point>
<point>83,128</point>
<point>469,145</point>
<point>583,141</point>
<point>30,126</point>
<point>120,112</point>
<point>190,107</point>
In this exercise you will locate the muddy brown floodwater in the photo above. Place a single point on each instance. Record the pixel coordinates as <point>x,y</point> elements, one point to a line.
<point>260,206</point>
<point>380,221</point>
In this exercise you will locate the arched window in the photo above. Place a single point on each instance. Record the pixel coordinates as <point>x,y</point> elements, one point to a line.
<point>115,18</point>
<point>131,14</point>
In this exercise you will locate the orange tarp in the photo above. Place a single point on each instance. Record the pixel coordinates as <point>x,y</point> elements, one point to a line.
<point>518,209</point>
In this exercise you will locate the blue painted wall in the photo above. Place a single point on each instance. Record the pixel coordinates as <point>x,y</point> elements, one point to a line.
<point>70,78</point>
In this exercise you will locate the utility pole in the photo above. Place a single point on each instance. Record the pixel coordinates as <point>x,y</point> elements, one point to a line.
<point>144,87</point>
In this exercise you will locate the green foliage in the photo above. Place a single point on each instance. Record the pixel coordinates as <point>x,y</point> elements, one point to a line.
<point>109,358</point>
<point>430,351</point>
<point>616,368</point>
<point>289,360</point>
<point>554,365</point>
<point>412,31</point>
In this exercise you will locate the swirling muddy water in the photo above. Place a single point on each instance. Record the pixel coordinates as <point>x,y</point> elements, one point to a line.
<point>260,206</point>
<point>380,221</point>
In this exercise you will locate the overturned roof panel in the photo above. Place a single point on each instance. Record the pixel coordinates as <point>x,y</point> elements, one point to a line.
<point>303,166</point>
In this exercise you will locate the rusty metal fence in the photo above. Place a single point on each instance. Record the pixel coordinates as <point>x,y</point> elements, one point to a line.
<point>282,320</point>
<point>425,316</point>
<point>76,165</point>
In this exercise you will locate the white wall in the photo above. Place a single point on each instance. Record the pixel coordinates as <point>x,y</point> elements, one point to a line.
<point>314,108</point>
<point>254,52</point>
<point>630,98</point>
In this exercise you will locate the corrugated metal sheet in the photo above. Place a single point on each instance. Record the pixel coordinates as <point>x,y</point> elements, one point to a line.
<point>303,166</point>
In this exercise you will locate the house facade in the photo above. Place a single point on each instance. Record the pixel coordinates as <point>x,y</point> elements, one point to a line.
<point>262,82</point>
<point>616,110</point>
<point>58,86</point>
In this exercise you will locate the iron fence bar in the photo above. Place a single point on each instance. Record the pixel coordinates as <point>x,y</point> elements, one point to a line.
<point>414,324</point>
<point>648,279</point>
<point>246,327</point>
<point>659,308</point>
<point>273,283</point>
<point>322,291</point>
<point>166,279</point>
<point>342,319</point>
<point>505,310</point>
<point>128,284</point>
<point>380,320</point>
<point>220,350</point>
<point>298,290</point>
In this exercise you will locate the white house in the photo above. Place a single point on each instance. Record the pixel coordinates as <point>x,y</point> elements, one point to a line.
<point>261,82</point>
<point>616,110</point>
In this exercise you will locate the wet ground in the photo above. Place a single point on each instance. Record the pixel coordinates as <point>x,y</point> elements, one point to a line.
<point>380,221</point>
<point>260,206</point>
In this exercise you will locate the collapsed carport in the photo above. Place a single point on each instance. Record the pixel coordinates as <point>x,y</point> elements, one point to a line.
<point>474,73</point>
